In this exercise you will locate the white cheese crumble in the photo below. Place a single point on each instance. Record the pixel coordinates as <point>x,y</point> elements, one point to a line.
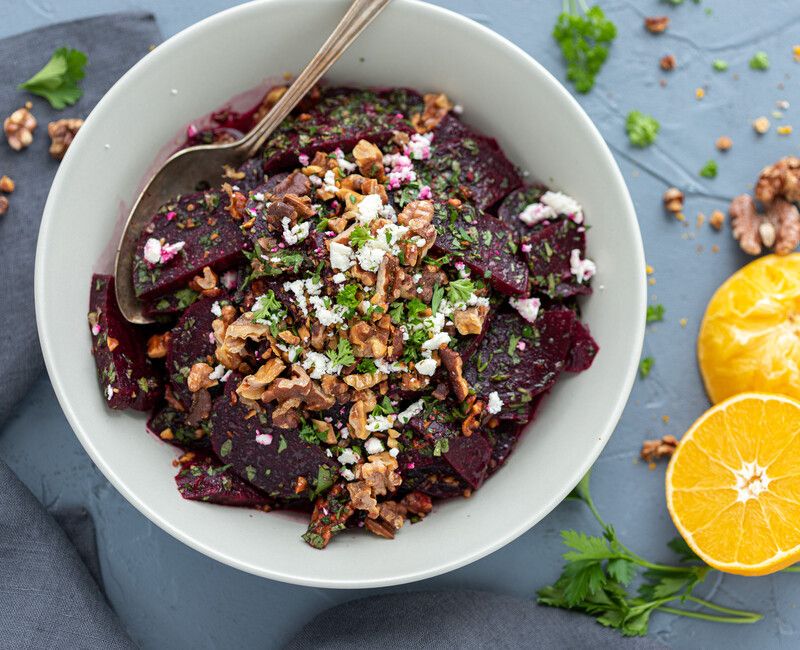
<point>109,392</point>
<point>324,314</point>
<point>329,182</point>
<point>217,373</point>
<point>495,403</point>
<point>394,452</point>
<point>373,446</point>
<point>436,341</point>
<point>216,309</point>
<point>368,208</point>
<point>563,204</point>
<point>339,278</point>
<point>528,308</point>
<point>319,365</point>
<point>341,257</point>
<point>379,422</point>
<point>348,457</point>
<point>536,212</point>
<point>264,439</point>
<point>581,269</point>
<point>369,256</point>
<point>296,233</point>
<point>426,367</point>
<point>411,411</point>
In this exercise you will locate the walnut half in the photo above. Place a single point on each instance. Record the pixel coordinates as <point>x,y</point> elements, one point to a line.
<point>62,133</point>
<point>19,128</point>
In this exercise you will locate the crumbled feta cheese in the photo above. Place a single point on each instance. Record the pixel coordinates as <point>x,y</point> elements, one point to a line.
<point>387,237</point>
<point>379,422</point>
<point>369,256</point>
<point>563,204</point>
<point>297,287</point>
<point>229,279</point>
<point>109,392</point>
<point>495,403</point>
<point>368,208</point>
<point>394,452</point>
<point>341,257</point>
<point>324,314</point>
<point>330,182</point>
<point>295,233</point>
<point>411,411</point>
<point>581,269</point>
<point>348,457</point>
<point>217,373</point>
<point>536,212</point>
<point>339,278</point>
<point>426,367</point>
<point>434,343</point>
<point>216,309</point>
<point>388,212</point>
<point>152,251</point>
<point>347,474</point>
<point>389,368</point>
<point>264,439</point>
<point>373,446</point>
<point>419,146</point>
<point>528,308</point>
<point>319,365</point>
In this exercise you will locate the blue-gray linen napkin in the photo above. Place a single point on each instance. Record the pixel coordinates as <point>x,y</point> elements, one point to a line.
<point>50,584</point>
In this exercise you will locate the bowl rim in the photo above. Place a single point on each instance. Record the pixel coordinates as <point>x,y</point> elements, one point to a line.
<point>59,378</point>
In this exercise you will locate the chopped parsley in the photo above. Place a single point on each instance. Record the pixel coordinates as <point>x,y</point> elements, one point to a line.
<point>760,61</point>
<point>343,354</point>
<point>720,65</point>
<point>645,366</point>
<point>459,291</point>
<point>709,170</point>
<point>360,236</point>
<point>655,313</point>
<point>642,129</point>
<point>442,446</point>
<point>367,365</point>
<point>584,41</point>
<point>58,80</point>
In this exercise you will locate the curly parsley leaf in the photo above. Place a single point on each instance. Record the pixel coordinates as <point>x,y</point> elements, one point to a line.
<point>642,129</point>
<point>360,236</point>
<point>645,366</point>
<point>760,61</point>
<point>655,313</point>
<point>584,41</point>
<point>709,170</point>
<point>58,80</point>
<point>343,354</point>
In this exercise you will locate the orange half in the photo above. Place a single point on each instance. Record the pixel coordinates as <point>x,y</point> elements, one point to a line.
<point>733,484</point>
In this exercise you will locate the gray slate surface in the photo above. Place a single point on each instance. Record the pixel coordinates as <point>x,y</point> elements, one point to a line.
<point>161,588</point>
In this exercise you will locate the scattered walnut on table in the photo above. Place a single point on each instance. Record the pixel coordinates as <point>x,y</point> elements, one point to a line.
<point>717,219</point>
<point>3,205</point>
<point>673,200</point>
<point>745,222</point>
<point>653,450</point>
<point>667,62</point>
<point>7,185</point>
<point>656,24</point>
<point>779,179</point>
<point>19,128</point>
<point>784,217</point>
<point>62,133</point>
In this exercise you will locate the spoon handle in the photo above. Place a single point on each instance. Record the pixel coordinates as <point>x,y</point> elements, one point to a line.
<point>360,14</point>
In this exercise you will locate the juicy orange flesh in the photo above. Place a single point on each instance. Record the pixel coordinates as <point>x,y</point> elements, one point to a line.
<point>734,484</point>
<point>750,336</point>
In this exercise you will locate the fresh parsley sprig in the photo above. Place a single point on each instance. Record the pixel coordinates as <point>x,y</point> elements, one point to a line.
<point>599,570</point>
<point>584,39</point>
<point>58,80</point>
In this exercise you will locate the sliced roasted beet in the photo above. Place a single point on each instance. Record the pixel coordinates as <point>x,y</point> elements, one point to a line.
<point>253,170</point>
<point>170,426</point>
<point>548,252</point>
<point>519,360</point>
<point>341,118</point>
<point>428,473</point>
<point>583,350</point>
<point>191,341</point>
<point>128,379</point>
<point>203,478</point>
<point>209,235</point>
<point>469,457</point>
<point>503,439</point>
<point>485,244</point>
<point>509,210</point>
<point>171,303</point>
<point>274,462</point>
<point>467,165</point>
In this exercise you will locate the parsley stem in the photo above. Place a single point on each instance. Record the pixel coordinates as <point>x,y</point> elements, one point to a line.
<point>791,569</point>
<point>725,610</point>
<point>751,617</point>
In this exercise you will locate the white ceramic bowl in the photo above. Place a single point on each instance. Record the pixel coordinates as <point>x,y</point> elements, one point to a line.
<point>506,94</point>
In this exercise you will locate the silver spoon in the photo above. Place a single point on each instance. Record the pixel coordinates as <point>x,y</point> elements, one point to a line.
<point>181,172</point>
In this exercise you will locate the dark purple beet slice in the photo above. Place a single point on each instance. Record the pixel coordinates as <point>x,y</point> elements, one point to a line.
<point>433,475</point>
<point>503,439</point>
<point>274,467</point>
<point>170,426</point>
<point>128,378</point>
<point>204,478</point>
<point>583,351</point>
<point>211,238</point>
<point>341,118</point>
<point>469,457</point>
<point>191,341</point>
<point>485,244</point>
<point>464,160</point>
<point>548,258</point>
<point>171,303</point>
<point>518,375</point>
<point>253,171</point>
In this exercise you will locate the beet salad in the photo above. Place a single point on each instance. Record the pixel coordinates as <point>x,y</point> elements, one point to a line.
<point>357,322</point>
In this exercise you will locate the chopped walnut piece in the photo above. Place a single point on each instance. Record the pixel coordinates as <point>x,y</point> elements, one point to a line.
<point>473,420</point>
<point>369,160</point>
<point>668,62</point>
<point>785,219</point>
<point>416,210</point>
<point>236,204</point>
<point>157,345</point>
<point>364,380</point>
<point>673,200</point>
<point>379,528</point>
<point>300,485</point>
<point>295,183</point>
<point>418,503</point>
<point>653,450</point>
<point>453,363</point>
<point>112,343</point>
<point>6,184</point>
<point>368,341</point>
<point>206,284</point>
<point>302,204</point>
<point>437,106</point>
<point>19,128</point>
<point>199,377</point>
<point>3,205</point>
<point>723,143</point>
<point>717,219</point>
<point>656,24</point>
<point>362,497</point>
<point>745,222</point>
<point>285,415</point>
<point>252,386</point>
<point>393,513</point>
<point>780,179</point>
<point>470,320</point>
<point>62,133</point>
<point>336,388</point>
<point>327,429</point>
<point>357,419</point>
<point>173,401</point>
<point>380,475</point>
<point>761,125</point>
<point>269,100</point>
<point>200,408</point>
